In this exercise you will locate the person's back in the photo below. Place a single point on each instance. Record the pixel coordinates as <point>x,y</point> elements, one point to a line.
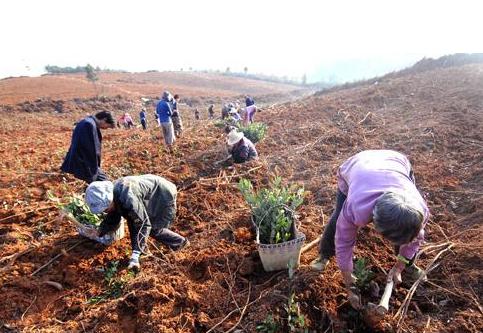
<point>83,158</point>
<point>153,191</point>
<point>163,110</point>
<point>367,175</point>
<point>244,151</point>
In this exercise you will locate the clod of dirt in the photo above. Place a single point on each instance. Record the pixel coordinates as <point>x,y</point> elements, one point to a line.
<point>247,267</point>
<point>227,234</point>
<point>243,235</point>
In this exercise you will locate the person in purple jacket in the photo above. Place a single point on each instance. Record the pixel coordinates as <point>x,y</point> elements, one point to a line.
<point>374,186</point>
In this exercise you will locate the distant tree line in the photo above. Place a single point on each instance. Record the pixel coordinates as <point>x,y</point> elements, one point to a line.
<point>78,69</point>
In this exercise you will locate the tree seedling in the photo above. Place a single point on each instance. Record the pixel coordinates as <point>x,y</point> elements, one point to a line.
<point>273,209</point>
<point>363,274</point>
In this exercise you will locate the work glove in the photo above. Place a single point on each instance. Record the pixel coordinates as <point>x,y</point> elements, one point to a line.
<point>416,272</point>
<point>134,261</point>
<point>395,273</point>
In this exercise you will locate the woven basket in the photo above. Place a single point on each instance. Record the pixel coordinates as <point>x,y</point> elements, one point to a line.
<point>275,257</point>
<point>90,231</point>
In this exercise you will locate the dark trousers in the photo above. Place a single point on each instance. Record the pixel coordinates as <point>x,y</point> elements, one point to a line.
<point>144,123</point>
<point>327,242</point>
<point>139,232</point>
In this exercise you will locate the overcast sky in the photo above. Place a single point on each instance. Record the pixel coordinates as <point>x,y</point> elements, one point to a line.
<point>274,37</point>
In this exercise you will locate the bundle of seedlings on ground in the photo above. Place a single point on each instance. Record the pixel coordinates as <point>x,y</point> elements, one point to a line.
<point>254,132</point>
<point>81,212</point>
<point>220,123</point>
<point>273,209</point>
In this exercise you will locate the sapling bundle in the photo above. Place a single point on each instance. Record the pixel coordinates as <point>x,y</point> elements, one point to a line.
<point>254,132</point>
<point>273,209</point>
<point>81,212</point>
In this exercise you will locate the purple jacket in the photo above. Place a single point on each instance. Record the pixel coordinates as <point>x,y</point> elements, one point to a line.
<point>363,178</point>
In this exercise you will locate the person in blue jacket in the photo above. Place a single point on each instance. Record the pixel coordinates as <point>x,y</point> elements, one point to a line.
<point>83,159</point>
<point>164,112</point>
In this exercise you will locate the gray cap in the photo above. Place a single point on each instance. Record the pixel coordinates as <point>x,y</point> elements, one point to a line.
<point>99,196</point>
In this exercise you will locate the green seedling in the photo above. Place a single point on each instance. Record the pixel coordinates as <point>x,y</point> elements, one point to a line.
<point>114,285</point>
<point>269,325</point>
<point>273,209</point>
<point>77,207</point>
<point>254,132</point>
<point>363,274</point>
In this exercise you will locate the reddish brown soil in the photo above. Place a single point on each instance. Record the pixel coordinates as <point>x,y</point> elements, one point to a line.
<point>186,84</point>
<point>434,117</point>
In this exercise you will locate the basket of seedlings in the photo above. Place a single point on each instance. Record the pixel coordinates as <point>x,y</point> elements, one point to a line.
<point>273,217</point>
<point>87,223</point>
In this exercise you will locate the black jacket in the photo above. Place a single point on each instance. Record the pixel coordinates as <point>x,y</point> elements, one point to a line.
<point>83,159</point>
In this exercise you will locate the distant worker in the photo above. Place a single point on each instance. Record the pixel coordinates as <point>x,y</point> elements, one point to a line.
<point>176,117</point>
<point>164,112</point>
<point>125,121</point>
<point>142,118</point>
<point>197,114</point>
<point>240,148</point>
<point>249,101</point>
<point>83,159</point>
<point>225,110</point>
<point>211,112</point>
<point>234,116</point>
<point>128,122</point>
<point>249,114</point>
<point>374,186</point>
<point>147,202</point>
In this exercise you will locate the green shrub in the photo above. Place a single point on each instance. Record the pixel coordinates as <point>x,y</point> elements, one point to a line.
<point>363,274</point>
<point>273,209</point>
<point>220,123</point>
<point>269,325</point>
<point>254,132</point>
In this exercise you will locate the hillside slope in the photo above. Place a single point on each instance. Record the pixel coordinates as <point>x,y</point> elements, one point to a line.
<point>218,284</point>
<point>135,85</point>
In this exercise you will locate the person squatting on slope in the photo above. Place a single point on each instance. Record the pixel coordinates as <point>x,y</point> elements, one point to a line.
<point>147,202</point>
<point>83,159</point>
<point>374,186</point>
<point>240,148</point>
<point>164,112</point>
<point>126,121</point>
<point>176,117</point>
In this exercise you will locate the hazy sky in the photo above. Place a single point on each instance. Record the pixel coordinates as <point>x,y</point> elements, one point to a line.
<point>275,37</point>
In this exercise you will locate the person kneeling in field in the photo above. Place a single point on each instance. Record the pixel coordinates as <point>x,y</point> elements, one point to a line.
<point>147,202</point>
<point>374,186</point>
<point>240,148</point>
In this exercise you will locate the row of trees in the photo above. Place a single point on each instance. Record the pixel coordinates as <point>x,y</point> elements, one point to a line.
<point>62,70</point>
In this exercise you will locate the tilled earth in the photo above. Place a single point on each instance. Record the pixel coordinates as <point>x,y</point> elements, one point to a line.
<point>218,283</point>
